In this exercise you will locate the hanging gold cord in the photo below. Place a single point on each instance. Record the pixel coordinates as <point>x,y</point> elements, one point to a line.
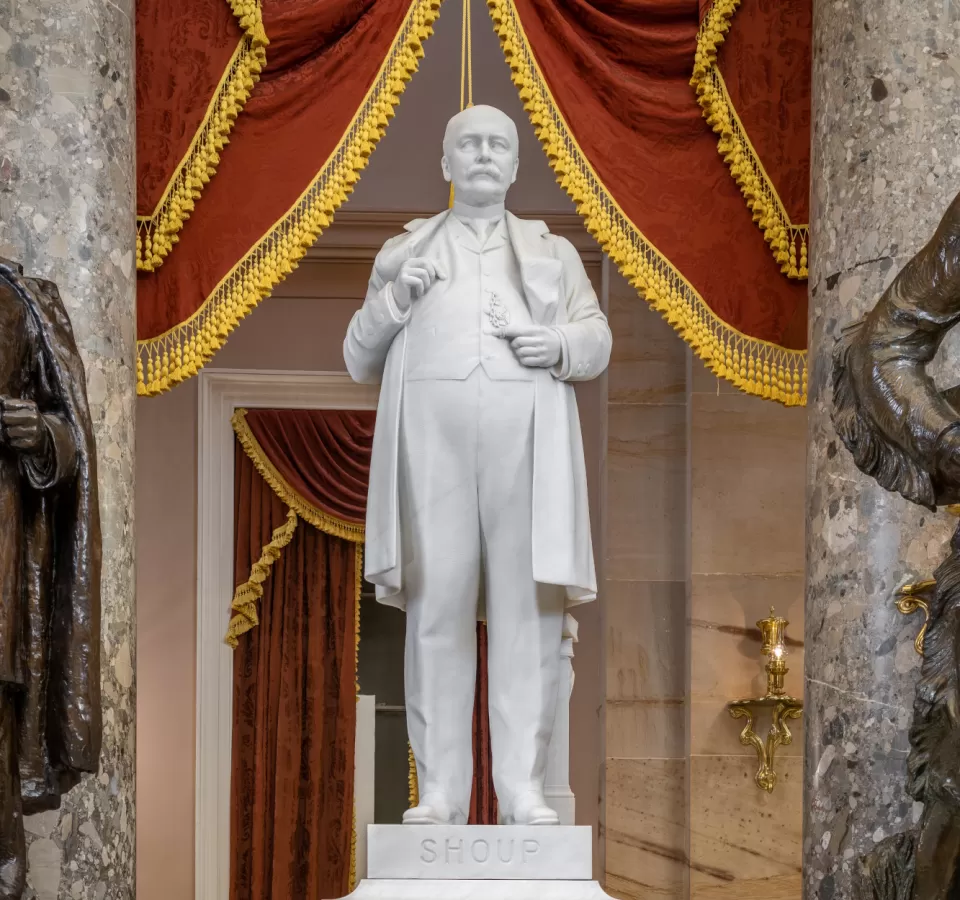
<point>466,67</point>
<point>178,354</point>
<point>248,594</point>
<point>158,232</point>
<point>787,241</point>
<point>755,366</point>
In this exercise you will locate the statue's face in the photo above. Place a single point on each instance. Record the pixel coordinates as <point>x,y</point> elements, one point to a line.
<point>480,155</point>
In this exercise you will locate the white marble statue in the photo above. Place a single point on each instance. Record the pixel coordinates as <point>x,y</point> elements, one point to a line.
<point>475,322</point>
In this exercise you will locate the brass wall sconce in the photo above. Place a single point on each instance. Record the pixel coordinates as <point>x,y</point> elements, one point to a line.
<point>782,706</point>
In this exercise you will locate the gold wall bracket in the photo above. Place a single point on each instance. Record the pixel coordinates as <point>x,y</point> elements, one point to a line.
<point>782,709</point>
<point>912,597</point>
<point>782,706</point>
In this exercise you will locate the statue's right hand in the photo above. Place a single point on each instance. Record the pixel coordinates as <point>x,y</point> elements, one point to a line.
<point>415,278</point>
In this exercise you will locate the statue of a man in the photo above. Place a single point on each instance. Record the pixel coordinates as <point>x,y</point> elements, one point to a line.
<point>475,322</point>
<point>49,565</point>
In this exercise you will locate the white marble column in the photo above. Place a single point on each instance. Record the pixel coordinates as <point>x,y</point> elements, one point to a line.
<point>886,113</point>
<point>67,213</point>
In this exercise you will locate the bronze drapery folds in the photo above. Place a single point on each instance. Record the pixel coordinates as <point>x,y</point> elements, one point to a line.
<point>905,432</point>
<point>50,557</point>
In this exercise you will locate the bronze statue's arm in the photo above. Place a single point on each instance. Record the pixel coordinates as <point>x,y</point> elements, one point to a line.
<point>887,409</point>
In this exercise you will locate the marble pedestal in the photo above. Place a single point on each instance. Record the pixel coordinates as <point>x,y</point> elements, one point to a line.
<point>478,862</point>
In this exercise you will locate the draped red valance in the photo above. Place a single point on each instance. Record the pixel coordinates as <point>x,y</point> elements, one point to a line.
<point>624,97</point>
<point>321,456</point>
<point>333,74</point>
<point>197,63</point>
<point>606,85</point>
<point>752,77</point>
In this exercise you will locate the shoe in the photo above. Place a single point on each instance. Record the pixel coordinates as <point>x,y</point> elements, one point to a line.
<point>431,810</point>
<point>532,809</point>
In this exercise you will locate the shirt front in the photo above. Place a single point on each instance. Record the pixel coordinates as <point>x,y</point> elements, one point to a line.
<point>455,326</point>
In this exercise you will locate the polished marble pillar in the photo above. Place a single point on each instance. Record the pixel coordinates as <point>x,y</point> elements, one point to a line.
<point>67,213</point>
<point>886,76</point>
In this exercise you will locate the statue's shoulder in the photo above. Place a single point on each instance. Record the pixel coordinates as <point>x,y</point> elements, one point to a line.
<point>411,229</point>
<point>534,231</point>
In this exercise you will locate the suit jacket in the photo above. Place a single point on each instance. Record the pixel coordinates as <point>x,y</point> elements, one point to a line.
<point>558,294</point>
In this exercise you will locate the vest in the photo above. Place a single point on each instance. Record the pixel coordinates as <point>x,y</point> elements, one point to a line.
<point>453,327</point>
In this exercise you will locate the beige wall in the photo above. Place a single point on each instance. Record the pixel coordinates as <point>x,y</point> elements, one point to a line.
<point>705,490</point>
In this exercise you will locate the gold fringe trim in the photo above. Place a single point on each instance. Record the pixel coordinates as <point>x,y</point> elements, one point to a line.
<point>754,366</point>
<point>307,511</point>
<point>788,242</point>
<point>180,353</point>
<point>157,233</point>
<point>247,594</point>
<point>413,788</point>
<point>358,589</point>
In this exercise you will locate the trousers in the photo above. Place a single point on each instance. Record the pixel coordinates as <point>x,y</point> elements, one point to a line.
<point>465,487</point>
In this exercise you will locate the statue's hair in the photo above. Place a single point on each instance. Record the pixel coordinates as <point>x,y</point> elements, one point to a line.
<point>457,120</point>
<point>872,450</point>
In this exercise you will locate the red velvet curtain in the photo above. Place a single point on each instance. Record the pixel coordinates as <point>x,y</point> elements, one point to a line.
<point>323,455</point>
<point>620,75</point>
<point>294,706</point>
<point>765,61</point>
<point>333,74</point>
<point>483,798</point>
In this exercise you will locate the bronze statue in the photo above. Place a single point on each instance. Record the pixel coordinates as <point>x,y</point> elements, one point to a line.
<point>49,565</point>
<point>905,432</point>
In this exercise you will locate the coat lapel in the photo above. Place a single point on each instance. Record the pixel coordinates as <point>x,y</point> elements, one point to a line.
<point>418,234</point>
<point>540,273</point>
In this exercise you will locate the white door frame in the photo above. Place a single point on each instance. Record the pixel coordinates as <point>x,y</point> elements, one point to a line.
<point>221,392</point>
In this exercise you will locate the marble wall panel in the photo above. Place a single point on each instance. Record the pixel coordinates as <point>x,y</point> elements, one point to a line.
<point>747,483</point>
<point>646,831</point>
<point>744,842</point>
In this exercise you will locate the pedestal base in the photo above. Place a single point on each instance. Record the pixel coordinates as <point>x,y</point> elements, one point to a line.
<point>479,852</point>
<point>412,889</point>
<point>478,862</point>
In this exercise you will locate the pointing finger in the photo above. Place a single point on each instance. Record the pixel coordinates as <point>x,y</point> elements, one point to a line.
<point>516,331</point>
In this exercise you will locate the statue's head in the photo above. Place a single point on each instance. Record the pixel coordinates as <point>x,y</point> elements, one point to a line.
<point>480,155</point>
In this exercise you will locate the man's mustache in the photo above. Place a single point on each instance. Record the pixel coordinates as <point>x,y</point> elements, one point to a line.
<point>484,170</point>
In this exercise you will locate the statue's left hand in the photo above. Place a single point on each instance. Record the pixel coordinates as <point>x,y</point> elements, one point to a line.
<point>23,426</point>
<point>536,346</point>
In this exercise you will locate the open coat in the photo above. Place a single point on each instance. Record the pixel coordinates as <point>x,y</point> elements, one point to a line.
<point>558,294</point>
